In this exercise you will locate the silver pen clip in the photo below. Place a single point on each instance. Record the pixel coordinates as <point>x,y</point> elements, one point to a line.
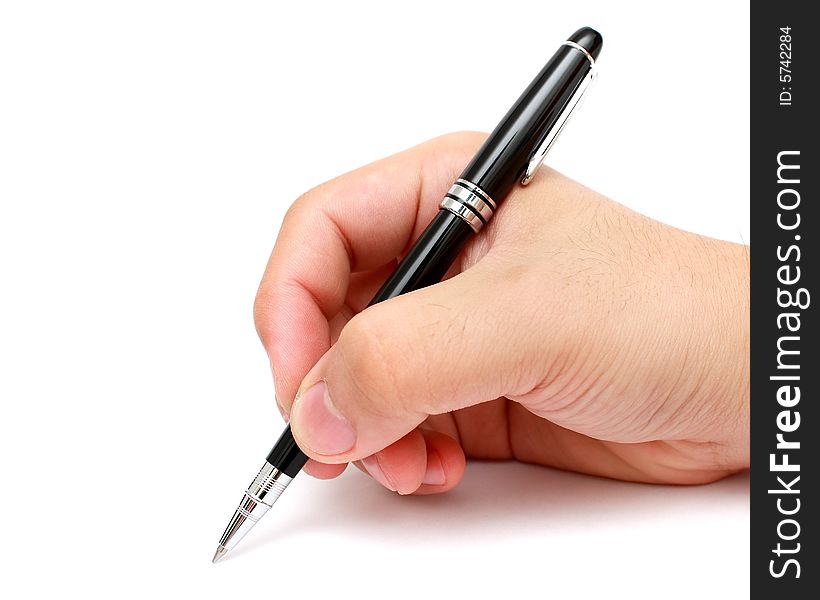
<point>574,101</point>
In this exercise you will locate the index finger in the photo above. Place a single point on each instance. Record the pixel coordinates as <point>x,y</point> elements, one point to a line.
<point>356,222</point>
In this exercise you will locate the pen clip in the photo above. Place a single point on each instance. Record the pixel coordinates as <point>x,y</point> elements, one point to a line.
<point>544,147</point>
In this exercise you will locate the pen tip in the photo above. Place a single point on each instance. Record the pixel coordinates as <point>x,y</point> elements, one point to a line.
<point>220,552</point>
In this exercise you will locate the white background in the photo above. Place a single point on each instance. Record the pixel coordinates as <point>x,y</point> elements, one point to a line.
<point>148,151</point>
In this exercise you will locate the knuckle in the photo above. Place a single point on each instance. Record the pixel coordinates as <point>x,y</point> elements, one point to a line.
<point>298,207</point>
<point>306,201</point>
<point>270,325</point>
<point>264,305</point>
<point>261,307</point>
<point>261,312</point>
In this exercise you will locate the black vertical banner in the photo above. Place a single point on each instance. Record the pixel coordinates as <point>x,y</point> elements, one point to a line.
<point>785,110</point>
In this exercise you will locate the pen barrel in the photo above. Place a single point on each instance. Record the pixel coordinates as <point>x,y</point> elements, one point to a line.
<point>502,160</point>
<point>286,455</point>
<point>429,258</point>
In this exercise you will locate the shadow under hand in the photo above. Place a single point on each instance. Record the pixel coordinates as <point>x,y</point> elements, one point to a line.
<point>494,499</point>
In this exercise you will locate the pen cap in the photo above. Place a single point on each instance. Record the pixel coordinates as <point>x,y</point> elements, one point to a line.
<point>519,143</point>
<point>589,39</point>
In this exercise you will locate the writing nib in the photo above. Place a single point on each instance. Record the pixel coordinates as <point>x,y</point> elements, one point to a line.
<point>220,552</point>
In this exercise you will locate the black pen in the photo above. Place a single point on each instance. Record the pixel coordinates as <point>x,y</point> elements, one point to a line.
<point>511,154</point>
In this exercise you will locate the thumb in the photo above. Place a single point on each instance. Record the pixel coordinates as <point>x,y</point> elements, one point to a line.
<point>431,351</point>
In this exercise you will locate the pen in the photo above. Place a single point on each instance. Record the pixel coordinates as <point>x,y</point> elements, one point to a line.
<point>511,154</point>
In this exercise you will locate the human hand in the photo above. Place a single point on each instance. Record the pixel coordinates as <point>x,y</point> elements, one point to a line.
<point>572,332</point>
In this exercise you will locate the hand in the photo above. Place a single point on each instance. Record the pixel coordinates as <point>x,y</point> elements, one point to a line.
<point>573,333</point>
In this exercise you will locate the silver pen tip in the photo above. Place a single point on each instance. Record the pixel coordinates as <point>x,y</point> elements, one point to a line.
<point>220,552</point>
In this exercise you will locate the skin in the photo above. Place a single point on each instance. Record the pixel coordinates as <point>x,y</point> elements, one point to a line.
<point>572,333</point>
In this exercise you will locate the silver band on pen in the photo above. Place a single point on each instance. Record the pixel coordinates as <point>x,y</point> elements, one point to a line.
<point>583,50</point>
<point>266,487</point>
<point>470,203</point>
